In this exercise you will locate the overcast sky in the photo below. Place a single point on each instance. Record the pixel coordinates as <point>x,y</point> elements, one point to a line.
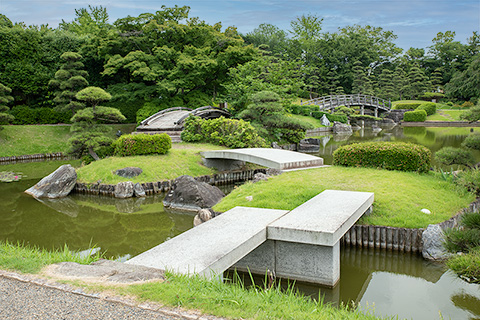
<point>415,23</point>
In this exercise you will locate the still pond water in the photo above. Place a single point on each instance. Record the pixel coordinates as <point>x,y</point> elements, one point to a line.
<point>388,283</point>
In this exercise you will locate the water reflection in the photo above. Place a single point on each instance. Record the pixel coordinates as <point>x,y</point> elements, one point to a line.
<point>119,228</point>
<point>432,138</point>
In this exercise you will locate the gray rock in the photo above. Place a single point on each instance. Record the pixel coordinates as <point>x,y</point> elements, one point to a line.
<point>188,194</point>
<point>309,145</point>
<point>58,184</point>
<point>105,270</point>
<point>325,121</point>
<point>202,216</point>
<point>124,190</point>
<point>342,128</point>
<point>259,177</point>
<point>129,172</point>
<point>138,190</point>
<point>433,248</point>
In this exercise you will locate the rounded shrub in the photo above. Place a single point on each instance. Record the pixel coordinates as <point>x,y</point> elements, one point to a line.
<point>142,144</point>
<point>415,116</point>
<point>472,141</point>
<point>450,155</point>
<point>429,107</point>
<point>221,131</point>
<point>386,155</point>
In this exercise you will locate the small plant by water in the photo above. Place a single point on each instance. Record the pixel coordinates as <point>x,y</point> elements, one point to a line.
<point>8,176</point>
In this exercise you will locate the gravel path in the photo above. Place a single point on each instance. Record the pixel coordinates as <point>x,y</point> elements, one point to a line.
<point>23,297</point>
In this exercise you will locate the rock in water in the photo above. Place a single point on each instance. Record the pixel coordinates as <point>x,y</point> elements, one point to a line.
<point>188,194</point>
<point>124,190</point>
<point>341,128</point>
<point>58,184</point>
<point>433,248</point>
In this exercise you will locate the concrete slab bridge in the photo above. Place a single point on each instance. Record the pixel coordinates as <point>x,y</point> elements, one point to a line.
<point>267,157</point>
<point>301,244</point>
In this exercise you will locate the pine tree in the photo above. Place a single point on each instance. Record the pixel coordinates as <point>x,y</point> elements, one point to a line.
<point>418,82</point>
<point>436,78</point>
<point>360,78</point>
<point>69,80</point>
<point>400,83</point>
<point>5,98</point>
<point>385,84</point>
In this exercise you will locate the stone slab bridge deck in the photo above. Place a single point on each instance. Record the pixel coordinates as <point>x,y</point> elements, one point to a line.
<point>267,157</point>
<point>301,244</point>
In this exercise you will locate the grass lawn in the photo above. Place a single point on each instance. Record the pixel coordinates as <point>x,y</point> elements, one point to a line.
<point>183,158</point>
<point>399,196</point>
<point>17,140</point>
<point>315,122</point>
<point>446,115</point>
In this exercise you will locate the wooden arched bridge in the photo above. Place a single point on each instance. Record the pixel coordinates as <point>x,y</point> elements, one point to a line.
<point>171,120</point>
<point>329,103</point>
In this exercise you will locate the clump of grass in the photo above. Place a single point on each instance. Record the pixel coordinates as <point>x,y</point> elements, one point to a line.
<point>399,196</point>
<point>24,258</point>
<point>235,301</point>
<point>467,266</point>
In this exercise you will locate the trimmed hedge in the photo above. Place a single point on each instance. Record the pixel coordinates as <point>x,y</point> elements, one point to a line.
<point>221,131</point>
<point>142,144</point>
<point>386,155</point>
<point>415,116</point>
<point>411,105</point>
<point>26,115</point>
<point>429,107</point>
<point>331,117</point>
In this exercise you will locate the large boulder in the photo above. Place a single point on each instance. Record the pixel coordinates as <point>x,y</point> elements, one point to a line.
<point>342,128</point>
<point>309,145</point>
<point>58,184</point>
<point>188,194</point>
<point>433,248</point>
<point>124,190</point>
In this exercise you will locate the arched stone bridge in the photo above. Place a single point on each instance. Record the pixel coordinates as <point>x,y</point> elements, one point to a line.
<point>329,103</point>
<point>171,120</point>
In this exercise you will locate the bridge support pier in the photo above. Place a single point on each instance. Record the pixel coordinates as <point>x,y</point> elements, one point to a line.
<point>362,110</point>
<point>300,261</point>
<point>376,112</point>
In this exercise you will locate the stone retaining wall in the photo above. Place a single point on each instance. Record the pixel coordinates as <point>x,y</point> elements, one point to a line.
<point>32,158</point>
<point>164,186</point>
<point>397,239</point>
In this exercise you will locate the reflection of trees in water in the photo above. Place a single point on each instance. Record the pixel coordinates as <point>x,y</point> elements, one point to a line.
<point>83,221</point>
<point>468,303</point>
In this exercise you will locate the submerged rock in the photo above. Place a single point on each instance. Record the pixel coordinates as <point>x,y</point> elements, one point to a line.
<point>342,128</point>
<point>188,194</point>
<point>58,184</point>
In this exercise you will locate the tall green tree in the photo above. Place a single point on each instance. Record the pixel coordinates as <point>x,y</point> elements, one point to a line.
<point>268,37</point>
<point>69,80</point>
<point>465,85</point>
<point>5,99</point>
<point>418,82</point>
<point>88,125</point>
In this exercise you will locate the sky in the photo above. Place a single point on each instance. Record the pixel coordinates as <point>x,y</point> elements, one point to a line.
<point>415,23</point>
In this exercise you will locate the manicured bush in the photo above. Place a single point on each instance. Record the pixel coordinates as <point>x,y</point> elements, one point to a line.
<point>450,155</point>
<point>411,105</point>
<point>331,117</point>
<point>386,155</point>
<point>142,144</point>
<point>472,141</point>
<point>365,117</point>
<point>221,131</point>
<point>431,95</point>
<point>25,115</point>
<point>415,116</point>
<point>429,107</point>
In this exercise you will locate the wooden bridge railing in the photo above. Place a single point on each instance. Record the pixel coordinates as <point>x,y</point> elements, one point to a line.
<point>333,101</point>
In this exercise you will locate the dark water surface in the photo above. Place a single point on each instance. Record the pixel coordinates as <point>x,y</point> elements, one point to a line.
<point>394,284</point>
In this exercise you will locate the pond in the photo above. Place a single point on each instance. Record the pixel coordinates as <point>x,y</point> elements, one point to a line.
<point>432,138</point>
<point>396,284</point>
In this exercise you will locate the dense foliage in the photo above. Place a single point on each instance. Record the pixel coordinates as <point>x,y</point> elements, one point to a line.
<point>169,58</point>
<point>142,144</point>
<point>450,155</point>
<point>221,131</point>
<point>429,107</point>
<point>5,98</point>
<point>385,155</point>
<point>415,116</point>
